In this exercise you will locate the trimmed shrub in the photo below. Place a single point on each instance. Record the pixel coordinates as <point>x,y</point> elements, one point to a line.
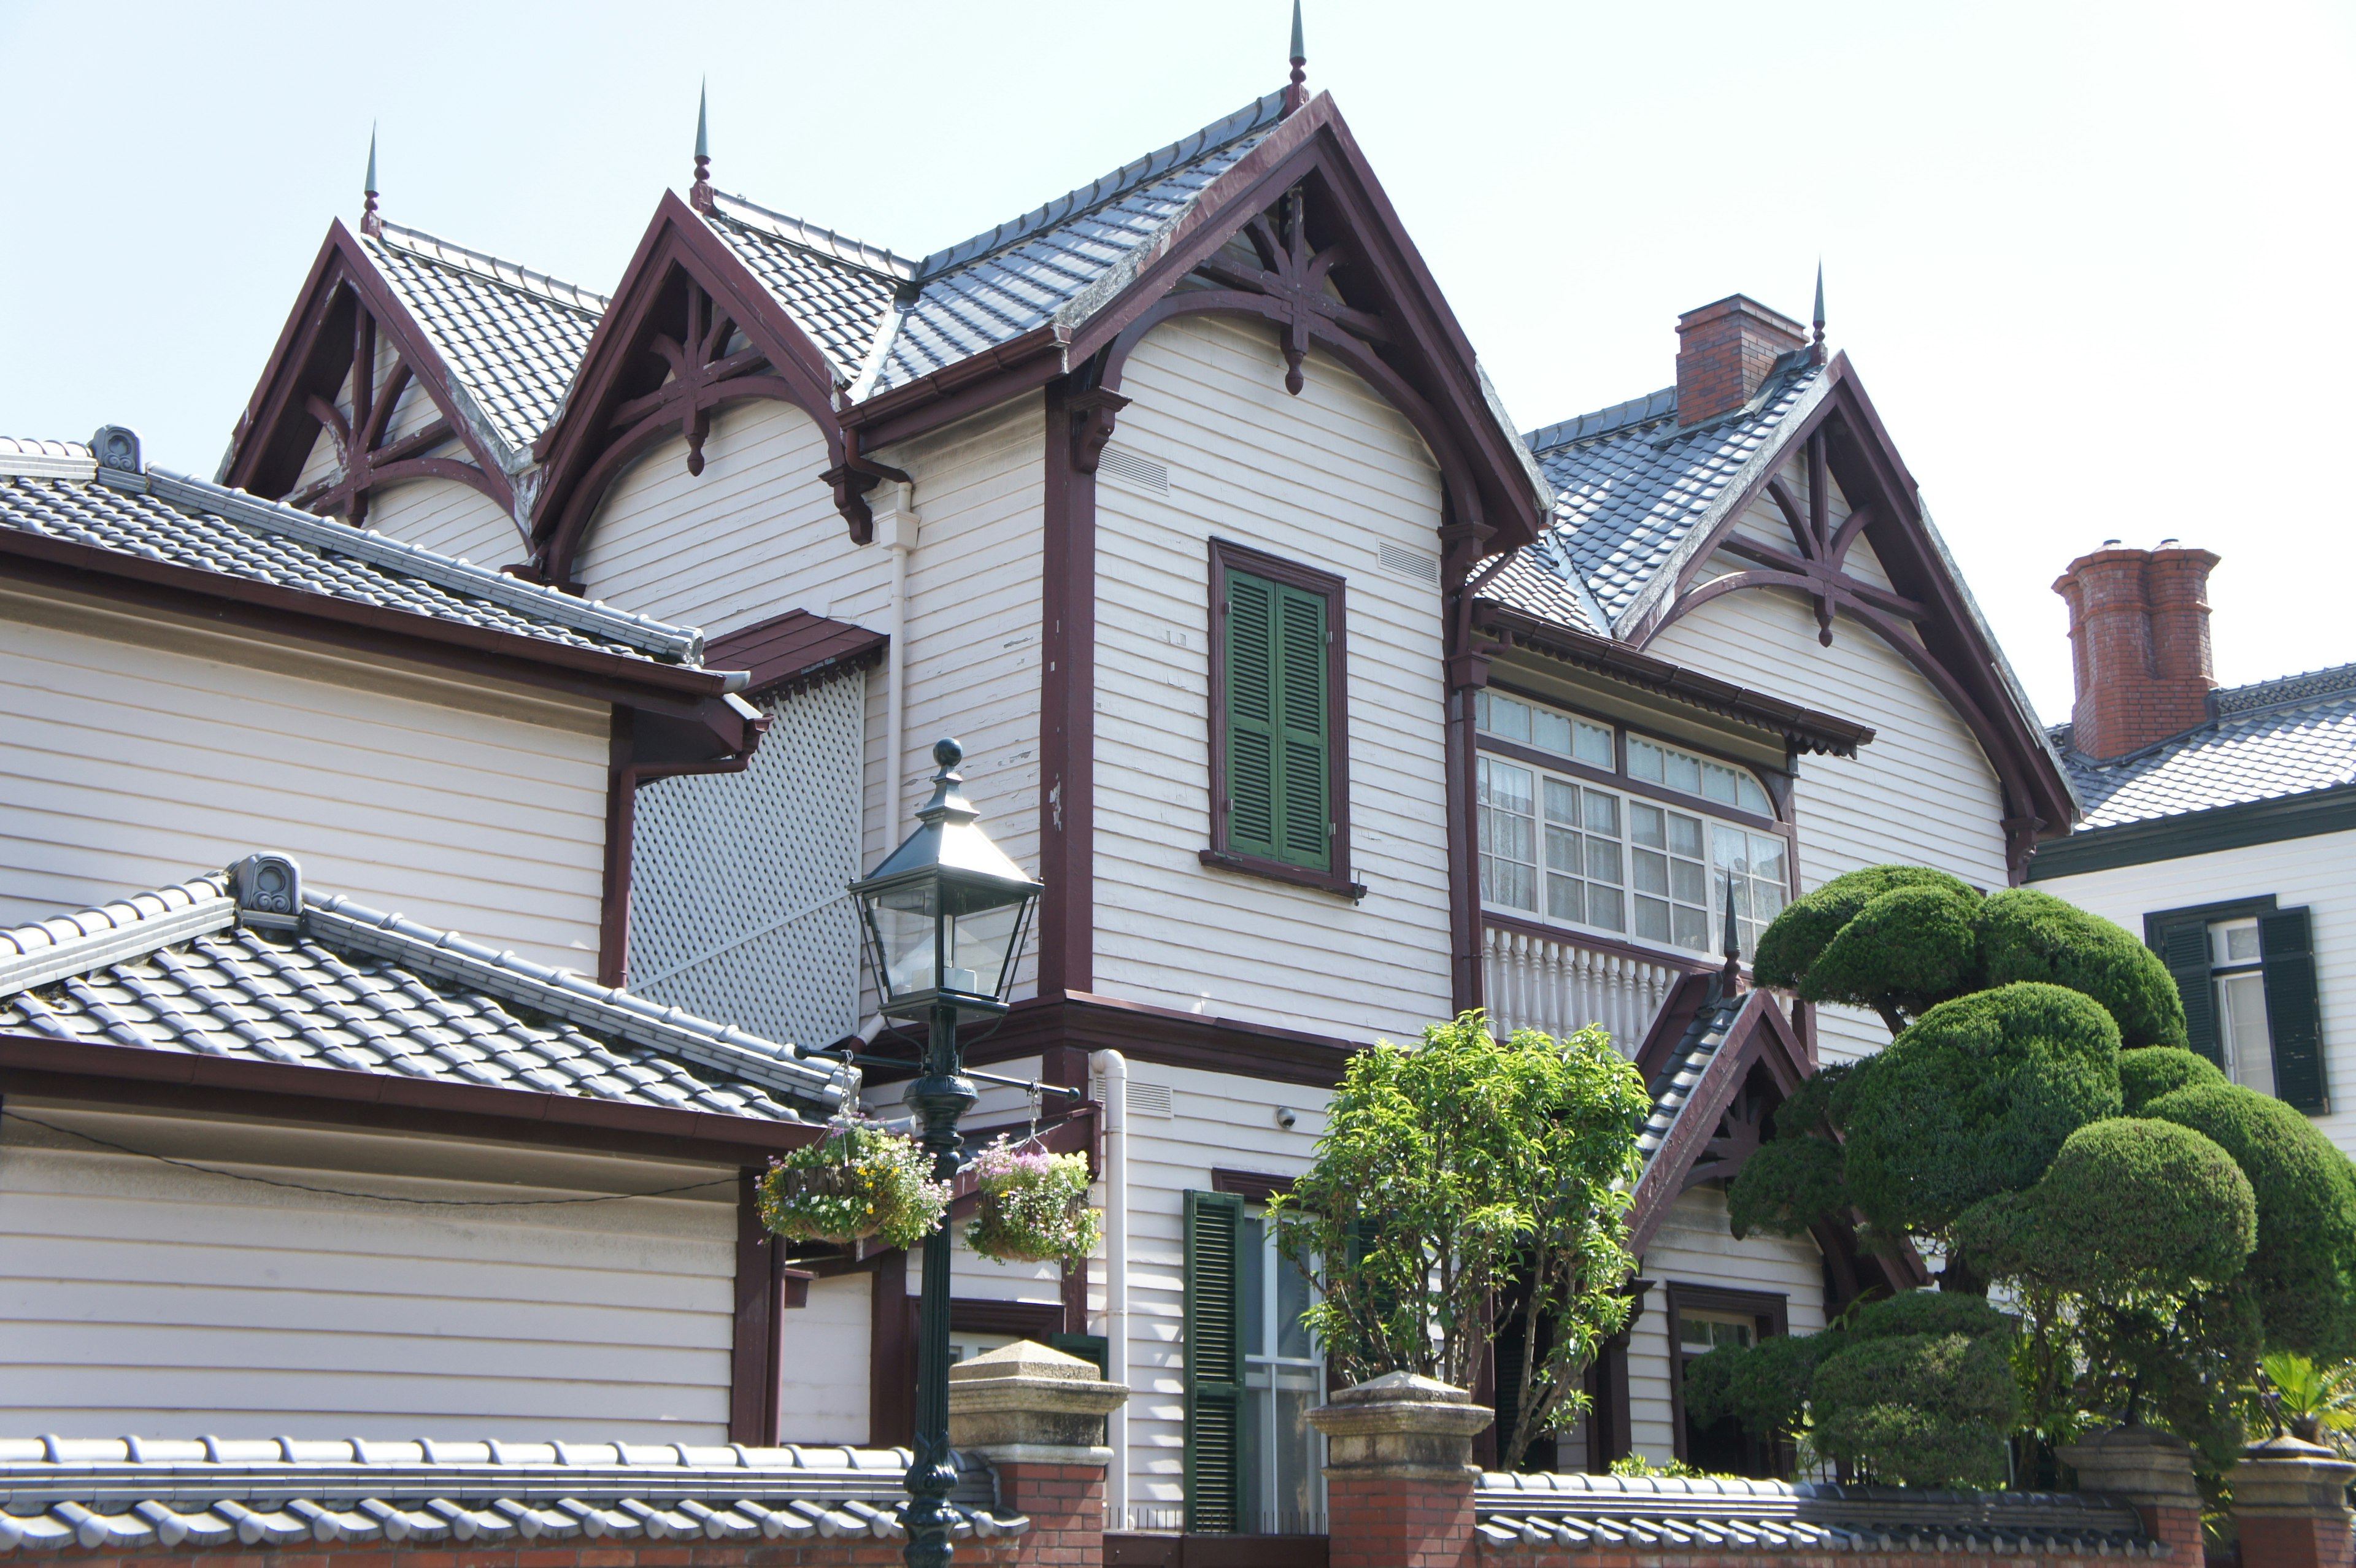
<point>1909,948</point>
<point>1790,945</point>
<point>2306,1193</point>
<point>2148,1073</point>
<point>1976,1099</point>
<point>1787,1185</point>
<point>2025,934</point>
<point>1919,1409</point>
<point>1937,1312</point>
<point>1763,1386</point>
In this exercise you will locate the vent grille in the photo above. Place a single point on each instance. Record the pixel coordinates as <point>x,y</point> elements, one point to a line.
<point>1150,1099</point>
<point>1421,565</point>
<point>1140,473</point>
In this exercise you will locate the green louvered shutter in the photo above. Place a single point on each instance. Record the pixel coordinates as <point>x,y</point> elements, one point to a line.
<point>1251,715</point>
<point>2293,1020</point>
<point>1215,1364</point>
<point>2184,948</point>
<point>1280,746</point>
<point>1305,821</point>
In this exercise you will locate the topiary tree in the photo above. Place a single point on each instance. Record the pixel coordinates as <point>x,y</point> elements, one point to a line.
<point>1921,1394</point>
<point>1763,1386</point>
<point>2145,1075</point>
<point>2024,935</point>
<point>1468,1171</point>
<point>2303,1265</point>
<point>1913,946</point>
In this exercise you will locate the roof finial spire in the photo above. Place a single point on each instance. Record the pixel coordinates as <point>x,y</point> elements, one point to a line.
<point>1297,93</point>
<point>369,222</point>
<point>698,194</point>
<point>1731,976</point>
<point>1816,355</point>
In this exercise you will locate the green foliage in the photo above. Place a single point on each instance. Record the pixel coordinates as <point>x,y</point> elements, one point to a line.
<point>2148,1073</point>
<point>1637,1467</point>
<point>1975,1099</point>
<point>1921,1394</point>
<point>2025,934</point>
<point>1453,1172</point>
<point>1787,1185</point>
<point>2317,1402</point>
<point>2305,1192</point>
<point>1763,1386</point>
<point>1904,951</point>
<point>1031,1207</point>
<point>1791,944</point>
<point>856,1181</point>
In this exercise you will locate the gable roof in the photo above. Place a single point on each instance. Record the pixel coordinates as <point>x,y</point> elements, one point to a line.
<point>837,290</point>
<point>790,653</point>
<point>59,495</point>
<point>2268,740</point>
<point>510,337</point>
<point>192,969</point>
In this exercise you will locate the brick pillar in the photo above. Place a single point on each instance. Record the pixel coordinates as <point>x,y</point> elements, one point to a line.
<point>2290,1498</point>
<point>1038,1416</point>
<point>2153,1471</point>
<point>1399,1473</point>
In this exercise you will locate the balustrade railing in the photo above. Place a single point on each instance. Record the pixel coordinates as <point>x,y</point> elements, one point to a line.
<point>1558,987</point>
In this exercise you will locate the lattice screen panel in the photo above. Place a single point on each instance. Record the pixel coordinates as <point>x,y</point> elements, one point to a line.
<point>737,911</point>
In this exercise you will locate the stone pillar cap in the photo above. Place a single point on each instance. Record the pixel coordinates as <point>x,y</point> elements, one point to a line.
<point>1025,1401</point>
<point>2287,1477</point>
<point>1027,1359</point>
<point>2138,1463</point>
<point>1402,1387</point>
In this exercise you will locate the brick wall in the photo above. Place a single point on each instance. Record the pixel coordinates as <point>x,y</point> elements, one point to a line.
<point>1724,352</point>
<point>2138,646</point>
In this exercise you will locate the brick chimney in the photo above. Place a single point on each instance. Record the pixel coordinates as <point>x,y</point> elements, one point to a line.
<point>1724,351</point>
<point>2138,645</point>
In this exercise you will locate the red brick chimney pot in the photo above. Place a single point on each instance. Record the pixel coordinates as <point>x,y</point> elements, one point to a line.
<point>1725,350</point>
<point>2140,647</point>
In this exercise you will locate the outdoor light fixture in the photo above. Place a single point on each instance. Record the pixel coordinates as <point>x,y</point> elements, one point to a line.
<point>944,917</point>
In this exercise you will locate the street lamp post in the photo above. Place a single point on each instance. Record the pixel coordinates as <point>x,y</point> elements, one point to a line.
<point>943,919</point>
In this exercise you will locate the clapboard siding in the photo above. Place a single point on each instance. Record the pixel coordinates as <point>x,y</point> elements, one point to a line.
<point>1323,479</point>
<point>2318,872</point>
<point>1693,1246</point>
<point>444,514</point>
<point>822,1397</point>
<point>1923,792</point>
<point>143,751</point>
<point>148,1298</point>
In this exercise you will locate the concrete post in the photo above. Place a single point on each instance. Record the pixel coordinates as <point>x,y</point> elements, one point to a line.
<point>1038,1416</point>
<point>2290,1497</point>
<point>2153,1471</point>
<point>1399,1473</point>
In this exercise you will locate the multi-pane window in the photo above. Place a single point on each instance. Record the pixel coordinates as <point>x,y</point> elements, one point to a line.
<point>1284,1379</point>
<point>1688,775</point>
<point>2246,973</point>
<point>2237,968</point>
<point>1571,851</point>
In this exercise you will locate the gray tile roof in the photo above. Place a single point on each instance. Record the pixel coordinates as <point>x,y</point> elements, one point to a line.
<point>134,1494</point>
<point>1554,1512</point>
<point>346,988</point>
<point>1688,1062</point>
<point>2273,739</point>
<point>510,337</point>
<point>885,321</point>
<point>1634,492</point>
<point>165,516</point>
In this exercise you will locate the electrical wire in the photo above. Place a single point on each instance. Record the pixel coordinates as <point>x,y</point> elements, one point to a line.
<point>375,1197</point>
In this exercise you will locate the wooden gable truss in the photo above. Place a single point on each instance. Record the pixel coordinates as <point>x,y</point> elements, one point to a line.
<point>343,313</point>
<point>1924,617</point>
<point>689,330</point>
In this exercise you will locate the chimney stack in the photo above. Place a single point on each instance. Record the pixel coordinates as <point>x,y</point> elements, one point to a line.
<point>1724,351</point>
<point>2138,645</point>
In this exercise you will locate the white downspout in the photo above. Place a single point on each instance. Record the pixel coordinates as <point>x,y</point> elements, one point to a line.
<point>892,506</point>
<point>1115,1069</point>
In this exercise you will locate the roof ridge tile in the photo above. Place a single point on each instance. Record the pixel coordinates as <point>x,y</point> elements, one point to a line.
<point>493,268</point>
<point>809,236</point>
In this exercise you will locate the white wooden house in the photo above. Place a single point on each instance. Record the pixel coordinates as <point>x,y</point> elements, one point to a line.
<point>1325,703</point>
<point>2220,825</point>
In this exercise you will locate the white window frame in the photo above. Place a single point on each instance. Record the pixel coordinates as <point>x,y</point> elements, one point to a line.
<point>1264,1372</point>
<point>2246,1042</point>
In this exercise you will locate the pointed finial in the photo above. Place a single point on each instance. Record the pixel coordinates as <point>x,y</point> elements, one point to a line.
<point>369,222</point>
<point>1730,977</point>
<point>698,194</point>
<point>1297,93</point>
<point>1816,355</point>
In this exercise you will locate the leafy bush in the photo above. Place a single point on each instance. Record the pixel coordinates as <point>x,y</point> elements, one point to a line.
<point>2025,934</point>
<point>1927,1408</point>
<point>1976,1099</point>
<point>2306,1194</point>
<point>2148,1073</point>
<point>1905,950</point>
<point>1787,1185</point>
<point>1935,1312</point>
<point>1790,946</point>
<point>1763,1386</point>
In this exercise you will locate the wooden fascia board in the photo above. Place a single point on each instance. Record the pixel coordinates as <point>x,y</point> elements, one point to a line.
<point>186,1081</point>
<point>953,392</point>
<point>1664,1178</point>
<point>281,370</point>
<point>2214,830</point>
<point>372,628</point>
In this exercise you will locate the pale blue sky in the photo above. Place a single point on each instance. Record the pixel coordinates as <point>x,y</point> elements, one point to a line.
<point>2092,259</point>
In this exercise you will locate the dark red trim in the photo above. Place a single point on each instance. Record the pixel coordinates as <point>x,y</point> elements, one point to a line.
<point>1024,1319</point>
<point>1803,727</point>
<point>1759,1034</point>
<point>1124,1549</point>
<point>754,1365</point>
<point>980,381</point>
<point>891,1352</point>
<point>1251,1186</point>
<point>1226,556</point>
<point>637,753</point>
<point>789,653</point>
<point>1769,1310</point>
<point>175,1081</point>
<point>1068,613</point>
<point>1080,1022</point>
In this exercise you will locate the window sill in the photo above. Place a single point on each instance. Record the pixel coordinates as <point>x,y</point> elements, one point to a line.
<point>1277,871</point>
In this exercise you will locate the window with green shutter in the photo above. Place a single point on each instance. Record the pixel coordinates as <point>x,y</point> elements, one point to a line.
<point>1213,1361</point>
<point>2245,971</point>
<point>1277,708</point>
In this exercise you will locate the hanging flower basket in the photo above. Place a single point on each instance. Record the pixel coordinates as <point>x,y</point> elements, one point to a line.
<point>857,1181</point>
<point>1031,1207</point>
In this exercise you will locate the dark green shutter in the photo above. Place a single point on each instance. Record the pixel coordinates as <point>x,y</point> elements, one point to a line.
<point>2293,1020</point>
<point>2184,948</point>
<point>1086,1347</point>
<point>1215,1364</point>
<point>1279,747</point>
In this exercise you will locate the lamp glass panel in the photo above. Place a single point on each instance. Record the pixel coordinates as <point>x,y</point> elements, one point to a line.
<point>978,945</point>
<point>903,933</point>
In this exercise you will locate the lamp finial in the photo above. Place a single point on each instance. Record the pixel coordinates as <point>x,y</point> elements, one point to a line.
<point>1296,92</point>
<point>698,194</point>
<point>369,222</point>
